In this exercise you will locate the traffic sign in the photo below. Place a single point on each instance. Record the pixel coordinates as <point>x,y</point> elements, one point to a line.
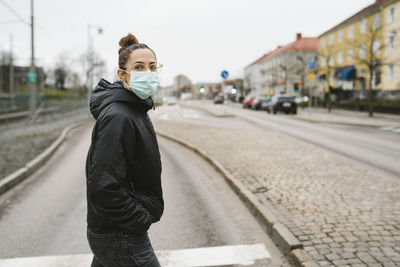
<point>311,77</point>
<point>312,64</point>
<point>32,76</point>
<point>224,74</point>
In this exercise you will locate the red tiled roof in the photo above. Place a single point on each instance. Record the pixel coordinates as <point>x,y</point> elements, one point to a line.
<point>302,44</point>
<point>260,59</point>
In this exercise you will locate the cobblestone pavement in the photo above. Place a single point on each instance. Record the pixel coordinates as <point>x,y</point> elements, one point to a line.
<point>344,212</point>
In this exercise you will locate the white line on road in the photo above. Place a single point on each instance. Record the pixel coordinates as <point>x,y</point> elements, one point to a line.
<point>210,256</point>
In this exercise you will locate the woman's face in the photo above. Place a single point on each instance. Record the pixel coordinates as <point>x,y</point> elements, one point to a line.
<point>141,59</point>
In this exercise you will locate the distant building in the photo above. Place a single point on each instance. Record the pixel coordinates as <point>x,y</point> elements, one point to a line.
<point>369,36</point>
<point>19,74</point>
<point>283,70</point>
<point>182,84</point>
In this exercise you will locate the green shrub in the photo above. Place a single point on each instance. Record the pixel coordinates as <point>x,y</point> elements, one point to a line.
<point>379,105</point>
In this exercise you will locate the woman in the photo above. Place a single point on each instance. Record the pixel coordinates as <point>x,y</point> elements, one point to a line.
<point>123,166</point>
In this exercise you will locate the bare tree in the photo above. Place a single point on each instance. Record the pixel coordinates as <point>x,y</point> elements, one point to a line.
<point>99,66</point>
<point>371,54</point>
<point>61,71</point>
<point>5,58</point>
<point>292,66</point>
<point>326,55</point>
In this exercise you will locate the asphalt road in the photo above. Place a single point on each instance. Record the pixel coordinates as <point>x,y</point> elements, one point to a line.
<point>372,146</point>
<point>369,145</point>
<point>46,214</point>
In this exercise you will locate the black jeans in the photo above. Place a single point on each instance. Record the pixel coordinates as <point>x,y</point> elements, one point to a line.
<point>120,250</point>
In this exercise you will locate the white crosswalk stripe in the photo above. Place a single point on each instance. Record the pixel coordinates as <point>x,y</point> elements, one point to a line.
<point>209,256</point>
<point>390,129</point>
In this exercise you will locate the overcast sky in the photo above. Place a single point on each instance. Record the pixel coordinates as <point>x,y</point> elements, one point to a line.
<point>197,38</point>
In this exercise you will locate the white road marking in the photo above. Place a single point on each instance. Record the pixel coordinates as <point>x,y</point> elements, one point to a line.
<point>387,128</point>
<point>210,256</point>
<point>214,256</point>
<point>390,129</point>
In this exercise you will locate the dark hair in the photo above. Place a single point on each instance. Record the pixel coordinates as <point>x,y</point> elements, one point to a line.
<point>128,44</point>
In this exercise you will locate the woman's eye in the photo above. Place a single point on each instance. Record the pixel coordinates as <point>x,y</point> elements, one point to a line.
<point>138,67</point>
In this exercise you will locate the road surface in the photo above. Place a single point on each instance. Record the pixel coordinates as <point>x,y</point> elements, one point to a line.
<point>46,214</point>
<point>375,147</point>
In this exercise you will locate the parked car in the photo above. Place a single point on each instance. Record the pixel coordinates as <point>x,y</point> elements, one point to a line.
<point>283,103</point>
<point>265,103</point>
<point>247,101</point>
<point>257,103</point>
<point>218,99</point>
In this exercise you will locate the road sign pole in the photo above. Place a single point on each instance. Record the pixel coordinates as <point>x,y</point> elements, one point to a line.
<point>312,73</point>
<point>224,75</point>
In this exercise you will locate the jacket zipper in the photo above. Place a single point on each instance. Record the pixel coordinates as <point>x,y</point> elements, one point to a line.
<point>133,188</point>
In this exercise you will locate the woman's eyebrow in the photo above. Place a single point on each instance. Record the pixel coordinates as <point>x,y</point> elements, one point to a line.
<point>141,62</point>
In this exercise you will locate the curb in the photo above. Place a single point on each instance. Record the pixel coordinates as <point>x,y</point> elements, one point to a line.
<point>281,236</point>
<point>345,123</point>
<point>22,173</point>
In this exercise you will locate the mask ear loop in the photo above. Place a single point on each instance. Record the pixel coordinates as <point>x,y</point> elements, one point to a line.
<point>124,82</point>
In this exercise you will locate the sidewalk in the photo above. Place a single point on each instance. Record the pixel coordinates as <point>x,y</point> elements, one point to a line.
<point>347,117</point>
<point>343,212</point>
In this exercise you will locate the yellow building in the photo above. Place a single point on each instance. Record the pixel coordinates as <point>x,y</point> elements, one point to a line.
<point>346,50</point>
<point>391,72</point>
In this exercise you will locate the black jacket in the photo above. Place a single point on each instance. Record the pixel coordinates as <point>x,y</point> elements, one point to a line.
<point>123,166</point>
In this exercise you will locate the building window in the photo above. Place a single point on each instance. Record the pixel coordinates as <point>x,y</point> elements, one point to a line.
<point>350,31</point>
<point>330,61</point>
<point>392,40</point>
<point>362,51</point>
<point>391,14</point>
<point>331,39</point>
<point>350,53</point>
<point>376,47</point>
<point>323,42</point>
<point>391,72</point>
<point>376,20</point>
<point>340,35</point>
<point>340,57</point>
<point>363,26</point>
<point>323,63</point>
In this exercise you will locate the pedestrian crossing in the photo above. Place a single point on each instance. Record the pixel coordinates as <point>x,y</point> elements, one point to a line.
<point>246,255</point>
<point>390,129</point>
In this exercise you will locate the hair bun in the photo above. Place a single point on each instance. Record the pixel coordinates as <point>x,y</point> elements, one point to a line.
<point>127,41</point>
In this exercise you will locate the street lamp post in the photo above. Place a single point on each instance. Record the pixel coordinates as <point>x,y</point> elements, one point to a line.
<point>32,71</point>
<point>90,52</point>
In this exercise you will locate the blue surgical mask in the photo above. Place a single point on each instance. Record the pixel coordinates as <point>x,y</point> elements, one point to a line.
<point>144,83</point>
